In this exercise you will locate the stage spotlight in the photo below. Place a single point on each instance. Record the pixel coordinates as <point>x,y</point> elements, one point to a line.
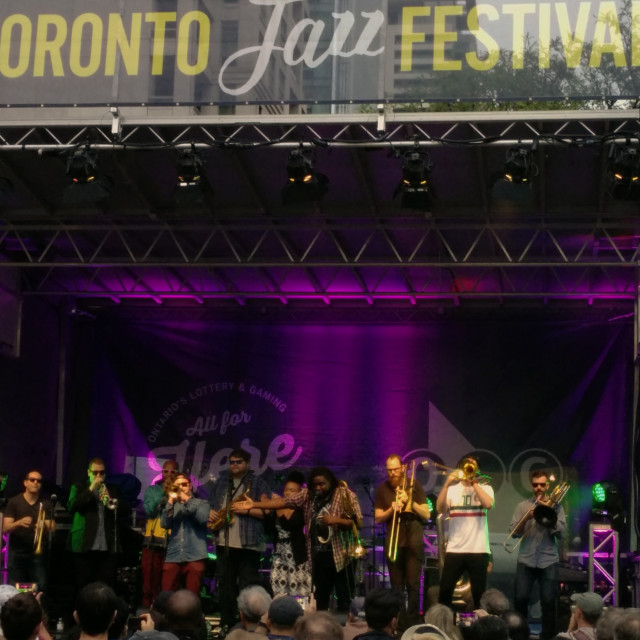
<point>87,183</point>
<point>513,182</point>
<point>415,187</point>
<point>607,504</point>
<point>623,170</point>
<point>304,183</point>
<point>190,164</point>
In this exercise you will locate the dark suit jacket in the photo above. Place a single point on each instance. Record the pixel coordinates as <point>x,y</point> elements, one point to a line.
<point>83,505</point>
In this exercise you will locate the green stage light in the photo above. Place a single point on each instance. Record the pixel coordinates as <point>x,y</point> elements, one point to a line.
<point>599,493</point>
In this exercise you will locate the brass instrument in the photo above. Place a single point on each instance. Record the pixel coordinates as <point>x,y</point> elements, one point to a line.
<point>39,531</point>
<point>406,486</point>
<point>356,548</point>
<point>105,497</point>
<point>544,513</point>
<point>469,471</point>
<point>225,517</point>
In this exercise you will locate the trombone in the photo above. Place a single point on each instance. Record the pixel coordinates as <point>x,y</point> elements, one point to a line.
<point>407,486</point>
<point>39,531</point>
<point>544,513</point>
<point>469,471</point>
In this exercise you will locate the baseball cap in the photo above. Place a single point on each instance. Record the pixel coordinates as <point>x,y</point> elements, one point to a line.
<point>284,611</point>
<point>590,603</point>
<point>6,591</point>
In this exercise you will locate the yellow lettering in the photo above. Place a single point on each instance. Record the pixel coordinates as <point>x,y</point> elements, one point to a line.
<point>6,36</point>
<point>493,49</point>
<point>573,39</point>
<point>94,23</point>
<point>160,20</point>
<point>129,48</point>
<point>49,47</point>
<point>607,20</point>
<point>544,35</point>
<point>441,36</point>
<point>409,37</point>
<point>518,11</point>
<point>202,36</point>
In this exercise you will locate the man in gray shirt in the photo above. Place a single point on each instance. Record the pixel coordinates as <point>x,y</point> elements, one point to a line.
<point>538,554</point>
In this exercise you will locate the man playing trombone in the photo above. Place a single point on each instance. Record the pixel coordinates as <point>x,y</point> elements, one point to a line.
<point>27,519</point>
<point>538,552</point>
<point>401,503</point>
<point>466,501</point>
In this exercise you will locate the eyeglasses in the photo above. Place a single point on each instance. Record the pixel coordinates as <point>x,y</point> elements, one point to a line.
<point>394,469</point>
<point>538,484</point>
<point>38,480</point>
<point>99,472</point>
<point>236,461</point>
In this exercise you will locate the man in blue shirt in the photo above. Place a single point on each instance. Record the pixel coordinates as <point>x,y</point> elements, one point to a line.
<point>538,554</point>
<point>187,518</point>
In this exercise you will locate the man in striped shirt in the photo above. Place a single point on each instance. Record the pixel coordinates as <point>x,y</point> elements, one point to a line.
<point>466,501</point>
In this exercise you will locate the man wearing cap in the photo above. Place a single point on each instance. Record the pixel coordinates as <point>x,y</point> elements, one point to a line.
<point>586,610</point>
<point>282,615</point>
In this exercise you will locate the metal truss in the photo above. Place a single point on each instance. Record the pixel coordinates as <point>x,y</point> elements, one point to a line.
<point>371,255</point>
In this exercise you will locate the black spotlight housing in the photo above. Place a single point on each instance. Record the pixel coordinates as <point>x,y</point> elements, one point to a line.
<point>623,169</point>
<point>190,164</point>
<point>415,186</point>
<point>513,183</point>
<point>304,183</point>
<point>88,184</point>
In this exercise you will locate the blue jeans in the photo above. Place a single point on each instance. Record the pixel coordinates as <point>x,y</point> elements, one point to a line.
<point>547,579</point>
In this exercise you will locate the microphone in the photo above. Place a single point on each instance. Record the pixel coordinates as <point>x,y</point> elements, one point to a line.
<point>53,498</point>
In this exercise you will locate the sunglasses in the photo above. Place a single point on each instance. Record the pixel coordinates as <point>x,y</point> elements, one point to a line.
<point>236,461</point>
<point>97,473</point>
<point>38,480</point>
<point>538,484</point>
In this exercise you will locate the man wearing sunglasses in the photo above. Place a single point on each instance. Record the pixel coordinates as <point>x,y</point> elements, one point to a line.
<point>240,539</point>
<point>20,520</point>
<point>186,516</point>
<point>538,554</point>
<point>94,538</point>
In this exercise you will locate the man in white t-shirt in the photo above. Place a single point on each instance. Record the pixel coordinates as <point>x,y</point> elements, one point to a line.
<point>465,501</point>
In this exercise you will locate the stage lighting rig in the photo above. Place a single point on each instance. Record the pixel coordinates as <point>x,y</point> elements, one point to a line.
<point>88,184</point>
<point>519,166</point>
<point>415,186</point>
<point>512,183</point>
<point>304,183</point>
<point>189,165</point>
<point>623,169</point>
<point>607,504</point>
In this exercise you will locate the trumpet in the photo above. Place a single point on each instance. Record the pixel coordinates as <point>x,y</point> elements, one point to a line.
<point>544,513</point>
<point>469,471</point>
<point>39,531</point>
<point>105,497</point>
<point>394,536</point>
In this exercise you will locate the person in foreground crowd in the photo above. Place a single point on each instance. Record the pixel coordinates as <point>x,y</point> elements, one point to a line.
<point>494,603</point>
<point>21,617</point>
<point>331,514</point>
<point>183,619</point>
<point>442,617</point>
<point>25,514</point>
<point>283,613</point>
<point>381,609</point>
<point>410,504</point>
<point>538,557</point>
<point>290,571</point>
<point>586,610</point>
<point>317,625</point>
<point>517,625</point>
<point>154,547</point>
<point>186,516</point>
<point>466,501</point>
<point>356,622</point>
<point>253,604</point>
<point>94,539</point>
<point>241,538</point>
<point>96,609</point>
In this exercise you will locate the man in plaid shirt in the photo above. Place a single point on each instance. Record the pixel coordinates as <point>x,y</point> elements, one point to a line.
<point>332,516</point>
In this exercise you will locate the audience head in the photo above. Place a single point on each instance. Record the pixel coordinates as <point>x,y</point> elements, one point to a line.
<point>356,609</point>
<point>517,625</point>
<point>159,610</point>
<point>96,608</point>
<point>627,627</point>
<point>607,622</point>
<point>489,628</point>
<point>589,606</point>
<point>283,613</point>
<point>118,628</point>
<point>382,607</point>
<point>7,591</point>
<point>21,617</point>
<point>494,602</point>
<point>184,613</point>
<point>253,603</point>
<point>442,617</point>
<point>318,625</point>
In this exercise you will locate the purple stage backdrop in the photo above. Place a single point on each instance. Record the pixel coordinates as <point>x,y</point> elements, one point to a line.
<point>521,394</point>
